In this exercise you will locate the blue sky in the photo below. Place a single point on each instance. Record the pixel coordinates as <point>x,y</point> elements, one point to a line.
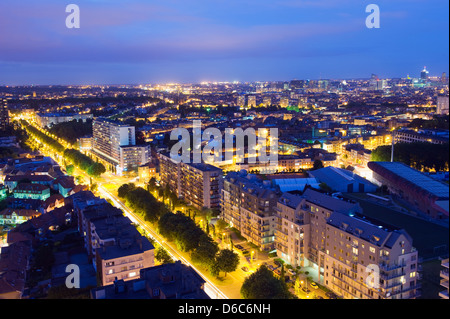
<point>146,41</point>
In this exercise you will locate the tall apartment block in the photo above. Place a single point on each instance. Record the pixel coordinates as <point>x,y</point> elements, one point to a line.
<point>248,204</point>
<point>199,184</point>
<point>355,257</point>
<point>4,114</point>
<point>115,145</point>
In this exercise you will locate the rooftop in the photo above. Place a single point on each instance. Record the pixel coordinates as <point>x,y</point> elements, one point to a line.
<point>412,176</point>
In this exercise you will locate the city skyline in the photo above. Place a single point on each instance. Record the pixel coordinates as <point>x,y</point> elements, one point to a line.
<point>198,41</point>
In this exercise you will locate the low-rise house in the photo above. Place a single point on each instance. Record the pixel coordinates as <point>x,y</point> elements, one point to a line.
<point>10,216</point>
<point>31,191</point>
<point>14,263</point>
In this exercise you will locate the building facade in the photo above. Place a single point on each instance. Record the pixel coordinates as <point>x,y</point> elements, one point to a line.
<point>114,144</point>
<point>4,114</point>
<point>249,206</point>
<point>198,184</point>
<point>354,257</point>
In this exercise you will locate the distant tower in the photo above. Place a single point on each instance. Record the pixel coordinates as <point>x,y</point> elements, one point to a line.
<point>4,114</point>
<point>424,74</point>
<point>444,77</point>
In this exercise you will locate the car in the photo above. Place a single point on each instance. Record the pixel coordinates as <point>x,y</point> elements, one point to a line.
<point>319,297</point>
<point>239,247</point>
<point>331,295</point>
<point>291,272</point>
<point>305,289</point>
<point>245,269</point>
<point>314,285</point>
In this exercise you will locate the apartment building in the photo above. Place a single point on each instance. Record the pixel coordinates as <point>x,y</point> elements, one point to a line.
<point>114,144</point>
<point>355,257</point>
<point>422,136</point>
<point>133,156</point>
<point>292,230</point>
<point>199,184</point>
<point>168,281</point>
<point>50,119</point>
<point>4,114</point>
<point>248,204</point>
<point>125,258</point>
<point>115,247</point>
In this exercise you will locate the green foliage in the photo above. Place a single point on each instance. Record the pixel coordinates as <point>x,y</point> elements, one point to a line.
<point>205,253</point>
<point>163,256</point>
<point>96,169</point>
<point>317,164</point>
<point>125,189</point>
<point>421,156</point>
<point>182,230</point>
<point>227,260</point>
<point>84,162</point>
<point>262,284</point>
<point>45,139</point>
<point>141,202</point>
<point>70,169</point>
<point>71,131</point>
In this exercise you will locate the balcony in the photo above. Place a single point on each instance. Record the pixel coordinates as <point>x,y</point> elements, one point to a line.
<point>386,267</point>
<point>385,276</point>
<point>444,283</point>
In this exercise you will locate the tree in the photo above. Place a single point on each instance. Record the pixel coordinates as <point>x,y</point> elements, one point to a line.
<point>262,284</point>
<point>152,184</point>
<point>205,253</point>
<point>163,256</point>
<point>227,261</point>
<point>125,189</point>
<point>317,164</point>
<point>96,169</point>
<point>70,169</point>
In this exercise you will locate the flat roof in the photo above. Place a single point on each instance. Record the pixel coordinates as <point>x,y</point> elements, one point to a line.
<point>413,176</point>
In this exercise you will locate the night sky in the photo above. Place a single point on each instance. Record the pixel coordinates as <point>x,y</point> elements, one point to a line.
<point>146,41</point>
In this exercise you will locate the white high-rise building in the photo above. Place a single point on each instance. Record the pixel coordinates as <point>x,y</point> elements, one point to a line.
<point>111,143</point>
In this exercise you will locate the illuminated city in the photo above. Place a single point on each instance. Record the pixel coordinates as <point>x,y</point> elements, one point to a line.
<point>165,189</point>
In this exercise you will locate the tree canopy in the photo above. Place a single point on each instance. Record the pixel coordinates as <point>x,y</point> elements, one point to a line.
<point>420,156</point>
<point>262,284</point>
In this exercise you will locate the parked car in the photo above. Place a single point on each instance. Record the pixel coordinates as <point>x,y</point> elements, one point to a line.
<point>292,272</point>
<point>314,285</point>
<point>305,289</point>
<point>331,295</point>
<point>245,269</point>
